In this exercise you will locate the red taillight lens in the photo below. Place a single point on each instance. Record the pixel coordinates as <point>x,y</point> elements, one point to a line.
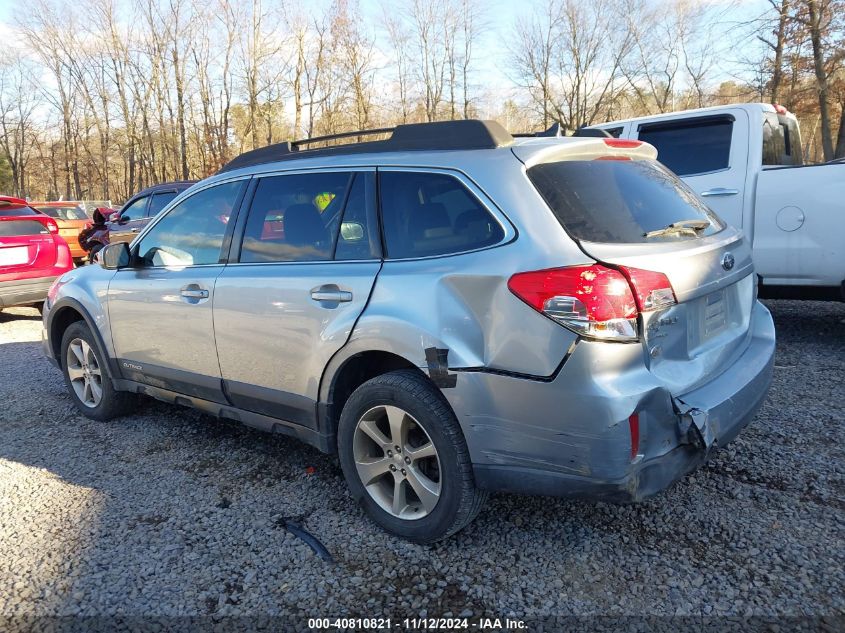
<point>51,225</point>
<point>651,290</point>
<point>63,257</point>
<point>594,301</point>
<point>622,143</point>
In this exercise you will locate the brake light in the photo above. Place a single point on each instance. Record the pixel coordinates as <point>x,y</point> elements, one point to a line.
<point>63,258</point>
<point>651,290</point>
<point>51,225</point>
<point>622,143</point>
<point>780,109</point>
<point>594,301</point>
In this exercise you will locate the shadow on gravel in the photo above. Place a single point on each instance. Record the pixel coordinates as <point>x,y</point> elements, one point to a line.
<point>8,317</point>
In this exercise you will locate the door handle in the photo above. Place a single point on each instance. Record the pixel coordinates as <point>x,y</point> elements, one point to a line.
<point>194,293</point>
<point>331,292</point>
<point>719,191</point>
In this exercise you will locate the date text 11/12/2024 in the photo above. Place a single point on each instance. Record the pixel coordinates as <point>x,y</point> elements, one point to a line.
<point>417,624</point>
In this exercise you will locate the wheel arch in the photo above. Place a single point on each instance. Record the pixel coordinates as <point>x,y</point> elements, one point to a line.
<point>344,376</point>
<point>63,314</point>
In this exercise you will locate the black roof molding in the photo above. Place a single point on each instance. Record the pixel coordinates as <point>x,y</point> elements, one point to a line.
<point>439,135</point>
<point>592,132</point>
<point>554,130</point>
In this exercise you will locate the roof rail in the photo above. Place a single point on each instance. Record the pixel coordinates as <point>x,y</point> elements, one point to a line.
<point>439,135</point>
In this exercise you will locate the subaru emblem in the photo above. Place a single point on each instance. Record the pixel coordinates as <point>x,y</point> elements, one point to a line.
<point>727,261</point>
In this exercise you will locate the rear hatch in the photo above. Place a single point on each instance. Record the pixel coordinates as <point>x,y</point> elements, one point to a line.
<point>27,248</point>
<point>628,212</point>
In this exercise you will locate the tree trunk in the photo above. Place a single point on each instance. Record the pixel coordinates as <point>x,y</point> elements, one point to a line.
<point>821,76</point>
<point>777,71</point>
<point>840,141</point>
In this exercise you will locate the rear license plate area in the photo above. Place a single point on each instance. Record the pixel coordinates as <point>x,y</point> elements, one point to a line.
<point>715,316</point>
<point>14,255</point>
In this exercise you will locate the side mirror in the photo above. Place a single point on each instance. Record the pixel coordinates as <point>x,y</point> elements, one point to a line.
<point>115,256</point>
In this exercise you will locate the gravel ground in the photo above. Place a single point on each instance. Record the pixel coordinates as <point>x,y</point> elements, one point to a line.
<point>169,512</point>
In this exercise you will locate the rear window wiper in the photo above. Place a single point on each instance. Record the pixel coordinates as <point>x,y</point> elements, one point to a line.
<point>684,226</point>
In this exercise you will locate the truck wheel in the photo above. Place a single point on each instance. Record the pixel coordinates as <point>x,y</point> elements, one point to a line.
<point>405,459</point>
<point>87,376</point>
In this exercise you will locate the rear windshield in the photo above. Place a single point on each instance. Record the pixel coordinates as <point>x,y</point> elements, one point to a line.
<point>615,201</point>
<point>11,228</point>
<point>64,213</point>
<point>10,208</point>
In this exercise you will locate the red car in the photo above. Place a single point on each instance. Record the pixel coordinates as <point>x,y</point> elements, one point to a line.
<point>32,253</point>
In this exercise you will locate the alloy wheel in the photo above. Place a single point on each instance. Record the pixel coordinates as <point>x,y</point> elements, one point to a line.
<point>84,372</point>
<point>397,462</point>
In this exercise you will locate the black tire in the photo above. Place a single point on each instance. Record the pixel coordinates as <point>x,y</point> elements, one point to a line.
<point>113,403</point>
<point>95,248</point>
<point>460,501</point>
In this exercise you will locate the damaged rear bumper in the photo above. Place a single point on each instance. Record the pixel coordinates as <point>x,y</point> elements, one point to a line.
<point>566,443</point>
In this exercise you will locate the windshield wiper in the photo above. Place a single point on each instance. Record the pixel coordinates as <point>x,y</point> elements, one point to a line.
<point>684,226</point>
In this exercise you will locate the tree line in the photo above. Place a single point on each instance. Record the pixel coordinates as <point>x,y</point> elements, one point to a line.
<point>100,98</point>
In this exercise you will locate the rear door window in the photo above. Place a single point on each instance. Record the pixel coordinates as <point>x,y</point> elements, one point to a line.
<point>426,214</point>
<point>691,146</point>
<point>359,234</point>
<point>619,201</point>
<point>295,218</point>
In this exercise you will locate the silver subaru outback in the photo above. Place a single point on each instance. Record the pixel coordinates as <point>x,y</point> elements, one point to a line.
<point>453,311</point>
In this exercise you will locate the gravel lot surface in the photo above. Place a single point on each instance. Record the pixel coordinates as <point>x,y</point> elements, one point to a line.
<point>170,512</point>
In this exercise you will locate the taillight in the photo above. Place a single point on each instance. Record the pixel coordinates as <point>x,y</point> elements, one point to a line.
<point>622,143</point>
<point>51,225</point>
<point>63,257</point>
<point>594,301</point>
<point>651,290</point>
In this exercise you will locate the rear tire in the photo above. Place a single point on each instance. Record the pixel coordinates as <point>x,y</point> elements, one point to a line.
<point>403,409</point>
<point>87,376</point>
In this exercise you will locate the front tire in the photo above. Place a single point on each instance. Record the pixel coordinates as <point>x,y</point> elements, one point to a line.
<point>405,459</point>
<point>87,376</point>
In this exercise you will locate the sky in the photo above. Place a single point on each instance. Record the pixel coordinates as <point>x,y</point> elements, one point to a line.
<point>491,48</point>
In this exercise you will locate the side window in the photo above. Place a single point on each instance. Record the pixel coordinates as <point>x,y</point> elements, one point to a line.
<point>134,211</point>
<point>428,214</point>
<point>295,218</point>
<point>192,232</point>
<point>159,201</point>
<point>615,132</point>
<point>691,147</point>
<point>359,236</point>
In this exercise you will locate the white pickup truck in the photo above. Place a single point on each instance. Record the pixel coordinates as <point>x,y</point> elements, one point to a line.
<point>745,160</point>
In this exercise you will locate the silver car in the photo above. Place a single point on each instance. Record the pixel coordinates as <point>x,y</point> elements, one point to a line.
<point>452,310</point>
